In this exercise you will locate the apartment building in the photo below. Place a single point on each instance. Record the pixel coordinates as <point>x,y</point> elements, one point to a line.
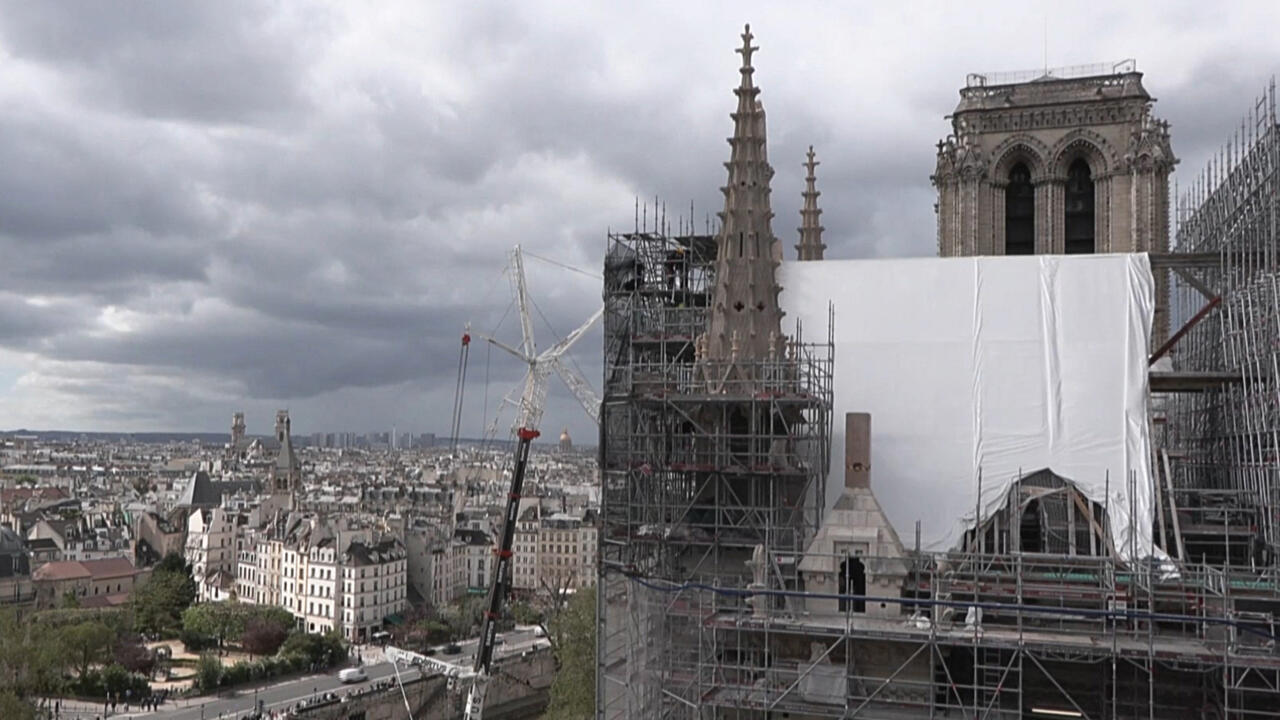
<point>567,550</point>
<point>373,588</point>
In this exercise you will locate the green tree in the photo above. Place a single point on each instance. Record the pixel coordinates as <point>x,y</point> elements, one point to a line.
<point>173,562</point>
<point>526,614</point>
<point>158,604</point>
<point>14,708</point>
<point>87,644</point>
<point>217,620</point>
<point>69,601</point>
<point>573,637</point>
<point>208,672</point>
<point>226,620</point>
<point>322,650</point>
<point>31,663</point>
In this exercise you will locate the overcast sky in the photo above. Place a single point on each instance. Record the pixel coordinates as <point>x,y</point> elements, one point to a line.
<point>217,206</point>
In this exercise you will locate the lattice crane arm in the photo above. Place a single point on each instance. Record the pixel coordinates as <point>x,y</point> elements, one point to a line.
<point>521,291</point>
<point>563,346</point>
<point>580,389</point>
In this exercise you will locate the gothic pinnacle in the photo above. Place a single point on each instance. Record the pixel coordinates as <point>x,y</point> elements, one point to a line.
<point>745,305</point>
<point>810,246</point>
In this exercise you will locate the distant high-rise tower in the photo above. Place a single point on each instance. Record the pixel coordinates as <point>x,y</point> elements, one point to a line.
<point>746,322</point>
<point>810,246</point>
<point>1062,162</point>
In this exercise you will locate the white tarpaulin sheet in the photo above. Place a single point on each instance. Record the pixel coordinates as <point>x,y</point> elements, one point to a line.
<point>990,366</point>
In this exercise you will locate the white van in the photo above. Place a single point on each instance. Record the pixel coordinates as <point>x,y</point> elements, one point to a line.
<point>352,675</point>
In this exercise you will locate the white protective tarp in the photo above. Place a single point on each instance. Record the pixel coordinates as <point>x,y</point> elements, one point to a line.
<point>990,366</point>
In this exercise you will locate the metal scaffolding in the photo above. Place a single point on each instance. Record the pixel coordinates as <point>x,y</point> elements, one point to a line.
<point>1224,443</point>
<point>710,500</point>
<point>698,481</point>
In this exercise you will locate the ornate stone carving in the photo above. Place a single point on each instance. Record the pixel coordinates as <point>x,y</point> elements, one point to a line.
<point>1083,142</point>
<point>1149,149</point>
<point>1015,148</point>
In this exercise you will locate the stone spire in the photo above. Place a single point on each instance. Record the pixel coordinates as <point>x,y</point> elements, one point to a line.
<point>746,322</point>
<point>810,247</point>
<point>286,472</point>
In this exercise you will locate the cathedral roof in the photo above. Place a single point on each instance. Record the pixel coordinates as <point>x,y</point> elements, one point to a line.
<point>1048,90</point>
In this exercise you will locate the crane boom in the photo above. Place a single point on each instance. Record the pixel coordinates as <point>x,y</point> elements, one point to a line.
<point>463,354</point>
<point>499,585</point>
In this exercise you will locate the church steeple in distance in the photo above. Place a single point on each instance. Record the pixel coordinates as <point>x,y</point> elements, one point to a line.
<point>745,322</point>
<point>810,247</point>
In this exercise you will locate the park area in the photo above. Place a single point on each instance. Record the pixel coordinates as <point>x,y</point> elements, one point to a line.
<point>159,643</point>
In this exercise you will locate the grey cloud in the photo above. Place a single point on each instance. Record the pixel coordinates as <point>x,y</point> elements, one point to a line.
<point>293,204</point>
<point>213,62</point>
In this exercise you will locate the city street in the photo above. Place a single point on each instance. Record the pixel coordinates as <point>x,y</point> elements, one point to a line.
<point>238,703</point>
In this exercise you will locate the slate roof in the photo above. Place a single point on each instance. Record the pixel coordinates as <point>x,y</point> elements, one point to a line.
<point>387,550</point>
<point>202,492</point>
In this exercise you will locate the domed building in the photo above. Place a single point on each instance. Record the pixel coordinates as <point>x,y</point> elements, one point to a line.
<point>566,442</point>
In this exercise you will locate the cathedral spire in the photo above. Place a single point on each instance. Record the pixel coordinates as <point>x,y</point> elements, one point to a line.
<point>745,299</point>
<point>810,247</point>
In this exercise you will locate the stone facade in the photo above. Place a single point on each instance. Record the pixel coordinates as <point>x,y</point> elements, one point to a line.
<point>1054,165</point>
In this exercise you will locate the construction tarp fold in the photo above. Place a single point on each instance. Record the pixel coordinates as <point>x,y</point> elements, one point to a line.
<point>977,371</point>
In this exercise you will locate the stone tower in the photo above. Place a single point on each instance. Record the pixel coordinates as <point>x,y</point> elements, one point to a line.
<point>1061,162</point>
<point>810,246</point>
<point>286,472</point>
<point>745,322</point>
<point>237,429</point>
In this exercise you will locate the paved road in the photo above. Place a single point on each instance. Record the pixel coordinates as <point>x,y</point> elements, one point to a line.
<point>234,705</point>
<point>237,704</point>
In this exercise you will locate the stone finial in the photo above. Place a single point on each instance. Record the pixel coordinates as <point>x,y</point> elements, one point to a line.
<point>810,246</point>
<point>746,50</point>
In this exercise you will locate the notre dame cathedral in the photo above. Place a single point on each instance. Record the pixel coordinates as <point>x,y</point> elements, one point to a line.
<point>1071,161</point>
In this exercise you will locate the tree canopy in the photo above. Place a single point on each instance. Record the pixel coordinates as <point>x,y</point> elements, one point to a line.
<point>573,636</point>
<point>87,644</point>
<point>158,604</point>
<point>226,620</point>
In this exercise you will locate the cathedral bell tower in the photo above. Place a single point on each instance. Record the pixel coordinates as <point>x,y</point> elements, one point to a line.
<point>1065,161</point>
<point>286,471</point>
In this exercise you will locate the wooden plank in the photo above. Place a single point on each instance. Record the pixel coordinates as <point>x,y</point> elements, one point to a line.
<point>1173,506</point>
<point>1092,522</point>
<point>1164,536</point>
<point>1176,381</point>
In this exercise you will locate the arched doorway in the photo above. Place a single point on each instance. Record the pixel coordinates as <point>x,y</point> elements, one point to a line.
<point>1079,209</point>
<point>1019,212</point>
<point>853,581</point>
<point>1030,537</point>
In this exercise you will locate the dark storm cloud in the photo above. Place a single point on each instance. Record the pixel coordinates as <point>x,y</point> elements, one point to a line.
<point>22,322</point>
<point>207,207</point>
<point>226,61</point>
<point>64,178</point>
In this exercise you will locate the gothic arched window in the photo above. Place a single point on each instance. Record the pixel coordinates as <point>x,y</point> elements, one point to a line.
<point>1079,209</point>
<point>1019,212</point>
